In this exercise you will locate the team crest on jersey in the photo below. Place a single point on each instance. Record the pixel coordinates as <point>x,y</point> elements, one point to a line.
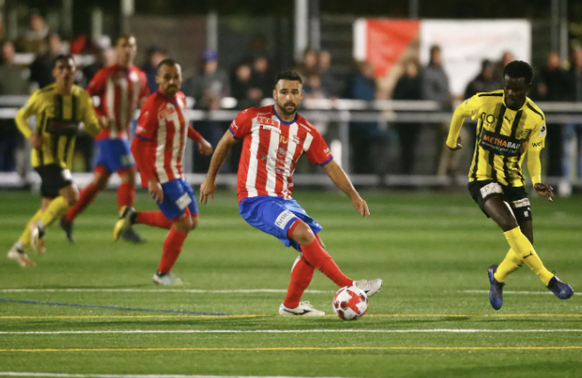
<point>524,134</point>
<point>282,152</point>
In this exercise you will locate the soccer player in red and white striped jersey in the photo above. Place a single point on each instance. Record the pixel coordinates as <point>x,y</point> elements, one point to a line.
<point>158,146</point>
<point>122,88</point>
<point>274,138</point>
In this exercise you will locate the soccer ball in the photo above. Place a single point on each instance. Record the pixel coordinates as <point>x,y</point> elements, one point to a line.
<point>350,303</point>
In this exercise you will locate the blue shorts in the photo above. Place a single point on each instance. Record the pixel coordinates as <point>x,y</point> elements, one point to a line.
<point>114,155</point>
<point>275,215</point>
<point>178,196</point>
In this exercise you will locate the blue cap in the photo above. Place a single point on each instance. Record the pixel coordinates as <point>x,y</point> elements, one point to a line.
<point>209,55</point>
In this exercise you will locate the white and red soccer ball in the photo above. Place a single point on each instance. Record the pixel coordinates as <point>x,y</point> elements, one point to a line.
<point>350,303</point>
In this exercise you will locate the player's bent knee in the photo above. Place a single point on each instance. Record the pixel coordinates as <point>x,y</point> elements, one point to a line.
<point>303,234</point>
<point>194,219</point>
<point>183,224</point>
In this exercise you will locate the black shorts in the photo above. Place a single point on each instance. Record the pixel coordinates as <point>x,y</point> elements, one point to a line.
<point>515,196</point>
<point>53,178</point>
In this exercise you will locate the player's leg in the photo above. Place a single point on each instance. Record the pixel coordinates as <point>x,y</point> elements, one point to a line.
<point>125,200</point>
<point>301,276</point>
<point>18,250</point>
<point>86,196</point>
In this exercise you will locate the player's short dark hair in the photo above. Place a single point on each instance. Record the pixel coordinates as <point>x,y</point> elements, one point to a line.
<point>288,75</point>
<point>166,62</point>
<point>64,57</point>
<point>517,69</point>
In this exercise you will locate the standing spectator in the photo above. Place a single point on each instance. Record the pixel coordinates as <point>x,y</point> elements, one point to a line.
<point>154,56</point>
<point>42,67</point>
<point>435,87</point>
<point>35,34</point>
<point>310,64</point>
<point>549,85</point>
<point>328,81</point>
<point>242,88</point>
<point>485,81</point>
<point>408,88</point>
<point>262,77</point>
<point>506,58</point>
<point>13,81</point>
<point>208,87</point>
<point>573,132</point>
<point>365,137</point>
<point>104,58</point>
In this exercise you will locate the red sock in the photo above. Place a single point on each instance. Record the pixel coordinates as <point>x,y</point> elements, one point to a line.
<point>301,275</point>
<point>153,218</point>
<point>319,258</point>
<point>125,194</point>
<point>172,248</point>
<point>86,196</point>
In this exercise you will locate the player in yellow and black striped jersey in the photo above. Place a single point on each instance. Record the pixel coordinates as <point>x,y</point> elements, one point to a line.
<point>509,128</point>
<point>60,109</point>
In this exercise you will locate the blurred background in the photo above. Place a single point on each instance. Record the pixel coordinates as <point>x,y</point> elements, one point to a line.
<point>380,78</point>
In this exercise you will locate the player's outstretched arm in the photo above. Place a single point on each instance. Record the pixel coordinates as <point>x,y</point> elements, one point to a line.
<point>534,167</point>
<point>341,180</point>
<point>208,186</point>
<point>466,109</point>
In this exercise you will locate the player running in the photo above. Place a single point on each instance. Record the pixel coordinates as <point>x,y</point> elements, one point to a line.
<point>509,125</point>
<point>122,88</point>
<point>158,147</point>
<point>60,108</point>
<point>274,138</point>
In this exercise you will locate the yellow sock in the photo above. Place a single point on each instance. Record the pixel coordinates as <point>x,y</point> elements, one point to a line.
<point>25,237</point>
<point>524,249</point>
<point>55,210</point>
<point>510,264</point>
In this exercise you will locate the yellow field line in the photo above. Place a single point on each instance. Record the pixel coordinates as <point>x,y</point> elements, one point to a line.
<point>270,349</point>
<point>7,317</point>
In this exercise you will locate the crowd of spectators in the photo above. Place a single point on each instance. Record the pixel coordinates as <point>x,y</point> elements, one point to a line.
<point>250,81</point>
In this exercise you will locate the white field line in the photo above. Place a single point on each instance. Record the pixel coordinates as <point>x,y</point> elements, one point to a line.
<point>197,291</point>
<point>64,375</point>
<point>160,331</point>
<point>513,292</point>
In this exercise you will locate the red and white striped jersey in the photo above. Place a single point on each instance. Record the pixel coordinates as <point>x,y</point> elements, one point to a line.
<point>160,138</point>
<point>120,90</point>
<point>271,149</point>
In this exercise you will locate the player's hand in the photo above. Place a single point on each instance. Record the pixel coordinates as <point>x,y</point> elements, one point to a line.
<point>361,206</point>
<point>207,191</point>
<point>205,147</point>
<point>544,190</point>
<point>104,122</point>
<point>458,146</point>
<point>35,141</point>
<point>156,190</point>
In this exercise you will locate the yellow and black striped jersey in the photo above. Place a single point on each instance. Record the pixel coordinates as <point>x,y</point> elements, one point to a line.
<point>58,118</point>
<point>503,138</point>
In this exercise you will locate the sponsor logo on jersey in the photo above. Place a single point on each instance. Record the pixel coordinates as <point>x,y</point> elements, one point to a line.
<point>295,139</point>
<point>500,144</point>
<point>489,118</point>
<point>543,130</point>
<point>491,188</point>
<point>267,121</point>
<point>233,125</point>
<point>165,113</point>
<point>538,144</point>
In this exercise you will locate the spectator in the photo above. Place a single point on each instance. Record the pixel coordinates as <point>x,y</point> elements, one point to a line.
<point>573,132</point>
<point>328,81</point>
<point>367,138</point>
<point>13,81</point>
<point>313,88</point>
<point>242,90</point>
<point>549,85</point>
<point>154,56</point>
<point>104,58</point>
<point>435,87</point>
<point>262,77</point>
<point>408,88</point>
<point>506,57</point>
<point>208,88</point>
<point>485,81</point>
<point>210,85</point>
<point>42,67</point>
<point>310,64</point>
<point>34,36</point>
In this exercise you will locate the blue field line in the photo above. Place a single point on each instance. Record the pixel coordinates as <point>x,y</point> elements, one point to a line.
<point>110,307</point>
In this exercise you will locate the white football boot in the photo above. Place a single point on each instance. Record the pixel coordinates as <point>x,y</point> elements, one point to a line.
<point>304,309</point>
<point>370,287</point>
<point>167,279</point>
<point>16,253</point>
